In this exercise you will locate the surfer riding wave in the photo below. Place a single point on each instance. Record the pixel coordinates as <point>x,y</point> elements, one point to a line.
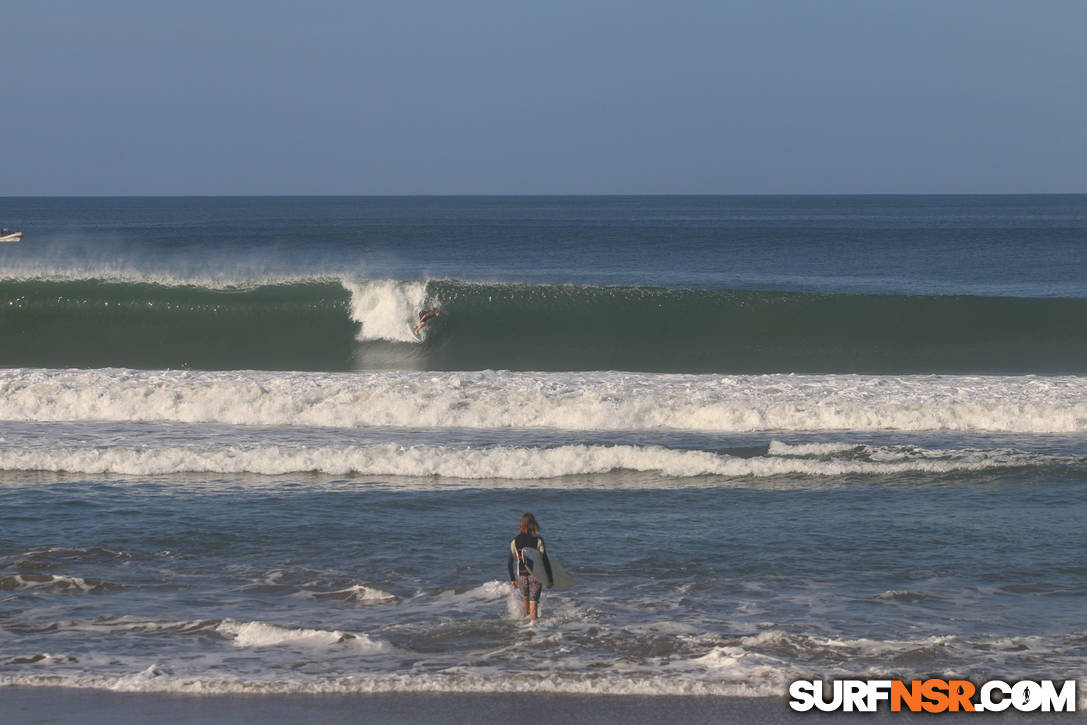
<point>425,317</point>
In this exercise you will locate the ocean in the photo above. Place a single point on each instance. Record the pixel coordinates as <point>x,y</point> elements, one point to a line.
<point>773,438</point>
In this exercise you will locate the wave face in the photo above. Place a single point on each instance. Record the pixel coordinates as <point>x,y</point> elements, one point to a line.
<point>663,330</point>
<point>333,324</point>
<point>104,323</point>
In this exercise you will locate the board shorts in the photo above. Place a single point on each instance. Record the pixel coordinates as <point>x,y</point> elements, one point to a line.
<point>529,587</point>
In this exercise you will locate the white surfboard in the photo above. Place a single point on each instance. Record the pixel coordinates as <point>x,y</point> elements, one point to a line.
<point>534,562</point>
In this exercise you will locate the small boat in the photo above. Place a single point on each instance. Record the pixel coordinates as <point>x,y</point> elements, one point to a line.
<point>8,236</point>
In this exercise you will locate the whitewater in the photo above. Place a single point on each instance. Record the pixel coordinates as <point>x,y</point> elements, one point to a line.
<point>568,401</point>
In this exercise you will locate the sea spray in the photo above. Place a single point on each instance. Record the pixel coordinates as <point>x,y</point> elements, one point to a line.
<point>386,309</point>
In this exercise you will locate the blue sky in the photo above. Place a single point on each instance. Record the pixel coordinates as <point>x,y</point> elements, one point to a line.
<point>839,96</point>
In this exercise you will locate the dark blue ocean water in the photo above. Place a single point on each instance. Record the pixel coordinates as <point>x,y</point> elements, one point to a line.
<point>771,437</point>
<point>1024,246</point>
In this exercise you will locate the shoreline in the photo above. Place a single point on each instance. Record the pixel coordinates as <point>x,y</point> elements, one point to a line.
<point>105,707</point>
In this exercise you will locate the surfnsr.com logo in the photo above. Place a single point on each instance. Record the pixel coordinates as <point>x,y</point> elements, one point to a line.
<point>933,695</point>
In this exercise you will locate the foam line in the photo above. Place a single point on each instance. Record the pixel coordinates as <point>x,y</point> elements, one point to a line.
<point>503,462</point>
<point>569,401</point>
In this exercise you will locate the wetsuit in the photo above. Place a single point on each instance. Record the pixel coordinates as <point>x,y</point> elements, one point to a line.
<point>520,542</point>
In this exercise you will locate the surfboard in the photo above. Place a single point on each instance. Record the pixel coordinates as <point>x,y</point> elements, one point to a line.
<point>534,562</point>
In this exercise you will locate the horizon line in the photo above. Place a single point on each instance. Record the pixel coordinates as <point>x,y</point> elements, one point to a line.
<point>535,195</point>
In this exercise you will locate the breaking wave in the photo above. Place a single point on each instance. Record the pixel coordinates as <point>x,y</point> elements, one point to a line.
<point>518,463</point>
<point>568,401</point>
<point>330,323</point>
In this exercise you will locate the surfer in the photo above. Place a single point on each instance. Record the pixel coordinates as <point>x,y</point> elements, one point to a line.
<point>424,317</point>
<point>528,537</point>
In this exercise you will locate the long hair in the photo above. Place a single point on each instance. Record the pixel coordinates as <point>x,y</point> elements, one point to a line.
<point>529,525</point>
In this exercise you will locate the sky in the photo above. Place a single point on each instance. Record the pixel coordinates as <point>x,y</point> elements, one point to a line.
<point>591,97</point>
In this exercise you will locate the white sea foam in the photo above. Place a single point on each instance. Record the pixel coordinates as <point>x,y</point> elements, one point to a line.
<point>499,462</point>
<point>754,665</point>
<point>572,401</point>
<point>262,634</point>
<point>741,665</point>
<point>904,596</point>
<point>160,678</point>
<point>50,582</point>
<point>113,272</point>
<point>385,309</point>
<point>723,671</point>
<point>144,680</point>
<point>354,593</point>
<point>777,448</point>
